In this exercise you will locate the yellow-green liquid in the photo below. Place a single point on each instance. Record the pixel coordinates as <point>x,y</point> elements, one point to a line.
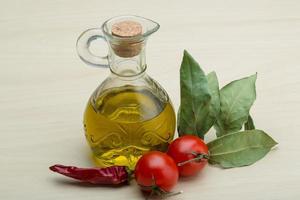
<point>124,123</point>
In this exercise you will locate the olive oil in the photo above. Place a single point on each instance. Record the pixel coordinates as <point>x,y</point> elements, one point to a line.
<point>125,122</point>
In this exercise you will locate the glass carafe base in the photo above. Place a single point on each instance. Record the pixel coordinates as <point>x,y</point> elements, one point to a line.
<point>125,122</point>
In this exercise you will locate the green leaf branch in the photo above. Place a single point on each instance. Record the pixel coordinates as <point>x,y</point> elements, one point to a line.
<point>203,105</point>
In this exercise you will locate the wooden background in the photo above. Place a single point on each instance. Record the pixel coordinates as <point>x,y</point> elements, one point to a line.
<point>44,87</point>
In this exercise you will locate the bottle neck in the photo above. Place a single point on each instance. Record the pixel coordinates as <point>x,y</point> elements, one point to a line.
<point>128,66</point>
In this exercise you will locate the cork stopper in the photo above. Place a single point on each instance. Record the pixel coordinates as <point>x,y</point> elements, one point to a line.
<point>127,29</point>
<point>127,47</point>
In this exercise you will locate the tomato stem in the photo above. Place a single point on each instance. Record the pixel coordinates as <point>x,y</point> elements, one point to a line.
<point>156,190</point>
<point>161,193</point>
<point>198,158</point>
<point>170,194</point>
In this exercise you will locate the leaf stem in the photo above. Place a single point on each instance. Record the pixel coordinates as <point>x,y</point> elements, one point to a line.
<point>198,158</point>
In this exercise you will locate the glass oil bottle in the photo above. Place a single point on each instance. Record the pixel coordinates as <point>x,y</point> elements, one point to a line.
<point>129,113</point>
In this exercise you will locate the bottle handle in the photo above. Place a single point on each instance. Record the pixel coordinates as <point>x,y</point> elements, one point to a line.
<point>83,48</point>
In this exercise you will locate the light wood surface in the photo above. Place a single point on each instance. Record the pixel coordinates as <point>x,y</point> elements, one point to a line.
<point>44,87</point>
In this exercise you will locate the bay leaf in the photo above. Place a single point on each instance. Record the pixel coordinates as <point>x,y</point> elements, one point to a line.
<point>240,148</point>
<point>214,105</point>
<point>249,125</point>
<point>236,99</point>
<point>194,98</point>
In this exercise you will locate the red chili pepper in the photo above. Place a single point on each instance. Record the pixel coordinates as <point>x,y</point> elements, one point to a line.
<point>107,176</point>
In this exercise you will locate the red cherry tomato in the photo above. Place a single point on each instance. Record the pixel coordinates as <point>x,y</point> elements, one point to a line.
<point>190,154</point>
<point>156,170</point>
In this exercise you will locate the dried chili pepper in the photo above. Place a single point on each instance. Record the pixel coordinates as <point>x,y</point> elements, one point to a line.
<point>105,176</point>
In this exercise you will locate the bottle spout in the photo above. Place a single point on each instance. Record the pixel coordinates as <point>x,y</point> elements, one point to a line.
<point>127,34</point>
<point>139,28</point>
<point>150,27</point>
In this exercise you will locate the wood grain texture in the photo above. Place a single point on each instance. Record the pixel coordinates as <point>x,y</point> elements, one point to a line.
<point>44,88</point>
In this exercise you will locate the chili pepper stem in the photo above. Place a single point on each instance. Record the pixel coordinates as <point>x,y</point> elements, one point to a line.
<point>198,158</point>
